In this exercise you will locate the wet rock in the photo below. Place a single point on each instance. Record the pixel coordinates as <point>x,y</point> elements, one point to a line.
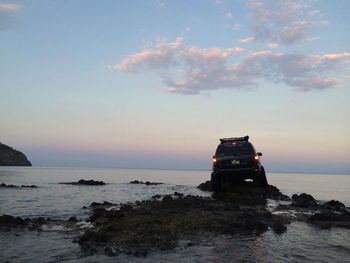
<point>278,228</point>
<point>97,213</point>
<point>156,196</point>
<point>85,182</point>
<point>145,183</point>
<point>29,186</point>
<point>152,224</point>
<point>167,198</point>
<point>334,205</point>
<point>3,185</point>
<point>11,221</point>
<point>179,195</point>
<point>8,185</point>
<point>206,186</point>
<point>105,204</point>
<point>73,219</point>
<point>328,219</point>
<point>303,200</point>
<point>246,192</point>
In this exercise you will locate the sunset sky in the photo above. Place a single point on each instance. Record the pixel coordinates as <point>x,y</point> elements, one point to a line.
<point>155,84</point>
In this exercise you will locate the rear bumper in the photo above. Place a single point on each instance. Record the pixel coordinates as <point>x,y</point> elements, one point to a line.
<point>243,173</point>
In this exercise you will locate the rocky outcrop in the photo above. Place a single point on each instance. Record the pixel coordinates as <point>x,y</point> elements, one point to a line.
<point>3,185</point>
<point>146,183</point>
<point>12,157</point>
<point>158,224</point>
<point>85,182</point>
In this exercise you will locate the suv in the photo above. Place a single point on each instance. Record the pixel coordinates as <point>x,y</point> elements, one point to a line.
<point>236,159</point>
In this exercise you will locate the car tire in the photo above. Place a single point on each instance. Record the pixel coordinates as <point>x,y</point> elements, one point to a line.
<point>261,178</point>
<point>215,182</point>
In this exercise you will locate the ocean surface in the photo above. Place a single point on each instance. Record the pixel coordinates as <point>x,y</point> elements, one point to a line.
<point>301,243</point>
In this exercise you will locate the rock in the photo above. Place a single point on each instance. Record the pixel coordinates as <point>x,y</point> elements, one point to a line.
<point>145,183</point>
<point>206,186</point>
<point>29,186</point>
<point>167,198</point>
<point>179,195</point>
<point>334,205</point>
<point>105,204</point>
<point>138,228</point>
<point>278,228</point>
<point>8,186</point>
<point>97,213</point>
<point>73,219</point>
<point>85,182</point>
<point>12,157</point>
<point>303,200</point>
<point>16,186</point>
<point>328,219</point>
<point>11,221</point>
<point>246,192</point>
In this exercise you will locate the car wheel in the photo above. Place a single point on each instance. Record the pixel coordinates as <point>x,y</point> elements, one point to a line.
<point>261,178</point>
<point>216,182</point>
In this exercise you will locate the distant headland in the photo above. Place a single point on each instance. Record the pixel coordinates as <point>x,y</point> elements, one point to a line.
<point>12,157</point>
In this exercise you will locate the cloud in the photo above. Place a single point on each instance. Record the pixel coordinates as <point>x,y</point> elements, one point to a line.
<point>192,70</point>
<point>228,15</point>
<point>247,40</point>
<point>7,15</point>
<point>283,22</point>
<point>162,55</point>
<point>9,7</point>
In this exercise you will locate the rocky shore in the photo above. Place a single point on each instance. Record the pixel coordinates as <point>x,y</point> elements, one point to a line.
<point>12,157</point>
<point>164,221</point>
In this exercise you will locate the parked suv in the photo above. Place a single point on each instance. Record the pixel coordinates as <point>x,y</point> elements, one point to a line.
<point>236,159</point>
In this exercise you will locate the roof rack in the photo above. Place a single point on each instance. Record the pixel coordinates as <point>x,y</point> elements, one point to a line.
<point>245,138</point>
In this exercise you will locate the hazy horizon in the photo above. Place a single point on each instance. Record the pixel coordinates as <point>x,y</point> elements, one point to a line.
<point>155,84</point>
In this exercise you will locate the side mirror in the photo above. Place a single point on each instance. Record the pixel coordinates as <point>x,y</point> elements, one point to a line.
<point>259,154</point>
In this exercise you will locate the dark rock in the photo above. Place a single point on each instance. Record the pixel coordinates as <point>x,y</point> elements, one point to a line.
<point>85,182</point>
<point>180,195</point>
<point>303,200</point>
<point>97,213</point>
<point>145,183</point>
<point>137,228</point>
<point>11,221</point>
<point>334,205</point>
<point>29,186</point>
<point>8,186</point>
<point>16,186</point>
<point>105,204</point>
<point>328,219</point>
<point>167,198</point>
<point>156,196</point>
<point>73,219</point>
<point>278,228</point>
<point>12,157</point>
<point>206,186</point>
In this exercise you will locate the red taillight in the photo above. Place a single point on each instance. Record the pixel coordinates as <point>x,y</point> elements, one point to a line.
<point>215,161</point>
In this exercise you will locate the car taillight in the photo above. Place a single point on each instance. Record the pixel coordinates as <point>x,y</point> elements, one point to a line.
<point>215,161</point>
<point>256,158</point>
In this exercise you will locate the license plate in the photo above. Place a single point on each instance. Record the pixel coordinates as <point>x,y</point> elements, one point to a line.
<point>234,162</point>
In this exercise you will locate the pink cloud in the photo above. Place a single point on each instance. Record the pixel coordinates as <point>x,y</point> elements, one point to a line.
<point>202,69</point>
<point>285,22</point>
<point>9,7</point>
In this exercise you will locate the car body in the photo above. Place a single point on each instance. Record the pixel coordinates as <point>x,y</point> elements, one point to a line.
<point>236,159</point>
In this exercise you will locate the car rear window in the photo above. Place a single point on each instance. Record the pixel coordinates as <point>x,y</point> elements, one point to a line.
<point>235,148</point>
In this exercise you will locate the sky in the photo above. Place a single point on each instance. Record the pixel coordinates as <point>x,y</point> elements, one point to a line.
<point>155,84</point>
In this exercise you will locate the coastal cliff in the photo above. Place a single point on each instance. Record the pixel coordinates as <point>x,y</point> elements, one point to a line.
<point>12,157</point>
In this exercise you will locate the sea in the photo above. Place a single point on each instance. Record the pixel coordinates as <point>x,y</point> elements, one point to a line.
<point>301,243</point>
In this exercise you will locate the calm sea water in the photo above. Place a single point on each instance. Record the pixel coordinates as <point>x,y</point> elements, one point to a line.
<point>301,243</point>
